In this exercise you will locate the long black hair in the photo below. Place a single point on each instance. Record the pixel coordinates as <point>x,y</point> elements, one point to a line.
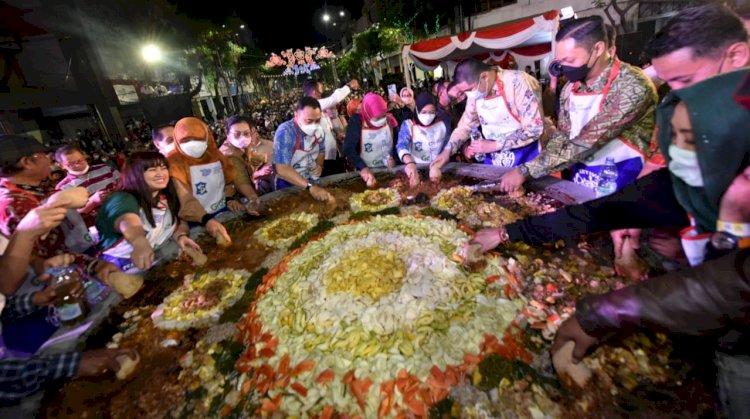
<point>134,183</point>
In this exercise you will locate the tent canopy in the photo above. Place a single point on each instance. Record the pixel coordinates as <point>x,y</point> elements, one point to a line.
<point>525,40</point>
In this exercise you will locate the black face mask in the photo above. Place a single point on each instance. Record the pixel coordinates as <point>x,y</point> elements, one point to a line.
<point>573,74</point>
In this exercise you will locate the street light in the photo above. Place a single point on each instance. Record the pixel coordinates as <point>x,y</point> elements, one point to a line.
<point>326,17</point>
<point>151,53</point>
<point>242,26</point>
<point>341,13</point>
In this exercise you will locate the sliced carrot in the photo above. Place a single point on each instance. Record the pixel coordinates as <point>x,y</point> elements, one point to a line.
<point>246,387</point>
<point>303,366</point>
<point>327,412</point>
<point>472,359</point>
<point>283,382</point>
<point>284,364</point>
<point>299,388</point>
<point>385,407</point>
<point>226,410</point>
<point>348,377</point>
<point>417,408</point>
<point>387,387</point>
<point>267,352</point>
<point>325,377</point>
<point>271,405</point>
<point>491,279</point>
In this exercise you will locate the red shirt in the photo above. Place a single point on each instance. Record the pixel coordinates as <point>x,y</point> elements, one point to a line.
<point>15,202</point>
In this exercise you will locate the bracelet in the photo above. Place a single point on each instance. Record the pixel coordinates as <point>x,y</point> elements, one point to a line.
<point>737,229</point>
<point>206,218</point>
<point>503,235</point>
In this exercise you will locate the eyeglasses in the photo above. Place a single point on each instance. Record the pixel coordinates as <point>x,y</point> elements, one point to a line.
<point>238,134</point>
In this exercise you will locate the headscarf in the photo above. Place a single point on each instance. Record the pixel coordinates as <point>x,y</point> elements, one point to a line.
<point>351,107</point>
<point>180,163</point>
<point>374,105</point>
<point>424,99</point>
<point>722,144</point>
<point>401,92</point>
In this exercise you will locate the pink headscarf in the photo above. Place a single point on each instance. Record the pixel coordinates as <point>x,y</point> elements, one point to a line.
<point>374,105</point>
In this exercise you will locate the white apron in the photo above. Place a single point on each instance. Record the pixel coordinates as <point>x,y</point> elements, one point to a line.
<point>305,156</point>
<point>694,244</point>
<point>498,121</point>
<point>376,145</point>
<point>427,142</point>
<point>330,137</point>
<point>208,186</point>
<point>628,159</point>
<point>78,238</point>
<point>157,235</point>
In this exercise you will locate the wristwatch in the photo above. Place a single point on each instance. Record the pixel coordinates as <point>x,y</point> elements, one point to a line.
<point>523,170</point>
<point>309,185</point>
<point>723,240</point>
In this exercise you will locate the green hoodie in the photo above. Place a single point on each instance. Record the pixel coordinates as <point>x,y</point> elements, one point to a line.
<point>721,129</point>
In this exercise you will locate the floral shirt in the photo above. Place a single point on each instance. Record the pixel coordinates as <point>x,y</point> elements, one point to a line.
<point>628,112</point>
<point>15,202</point>
<point>524,98</point>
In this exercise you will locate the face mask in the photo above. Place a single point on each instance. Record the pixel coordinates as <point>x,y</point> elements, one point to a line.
<point>309,129</point>
<point>166,149</point>
<point>377,122</point>
<point>79,172</point>
<point>476,94</point>
<point>426,118</point>
<point>241,143</point>
<point>575,74</point>
<point>194,149</point>
<point>684,165</point>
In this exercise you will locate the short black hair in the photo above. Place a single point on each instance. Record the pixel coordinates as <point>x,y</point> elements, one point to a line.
<point>611,35</point>
<point>308,86</point>
<point>240,118</point>
<point>586,31</point>
<point>65,150</point>
<point>706,30</point>
<point>308,101</point>
<point>156,131</point>
<point>468,71</point>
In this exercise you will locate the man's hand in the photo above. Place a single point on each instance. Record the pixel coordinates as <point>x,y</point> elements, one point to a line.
<point>98,197</point>
<point>413,174</point>
<point>512,181</point>
<point>320,194</point>
<point>317,171</point>
<point>489,238</point>
<point>99,361</point>
<point>264,171</point>
<point>436,165</point>
<point>480,147</point>
<point>41,220</point>
<point>571,330</point>
<point>54,262</point>
<point>143,254</point>
<point>390,162</point>
<point>253,205</point>
<point>103,269</point>
<point>735,204</point>
<point>353,84</point>
<point>618,239</point>
<point>186,242</point>
<point>368,177</point>
<point>47,296</point>
<point>215,228</point>
<point>235,205</point>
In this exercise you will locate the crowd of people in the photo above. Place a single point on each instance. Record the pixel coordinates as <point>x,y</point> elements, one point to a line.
<point>680,170</point>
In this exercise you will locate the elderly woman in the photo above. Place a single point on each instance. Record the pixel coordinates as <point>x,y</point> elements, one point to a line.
<point>423,137</point>
<point>370,138</point>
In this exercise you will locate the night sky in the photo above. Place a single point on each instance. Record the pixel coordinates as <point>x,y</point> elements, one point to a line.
<point>281,25</point>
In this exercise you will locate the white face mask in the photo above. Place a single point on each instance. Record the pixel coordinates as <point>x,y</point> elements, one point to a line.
<point>309,129</point>
<point>426,118</point>
<point>241,143</point>
<point>377,122</point>
<point>476,94</point>
<point>166,149</point>
<point>79,172</point>
<point>194,149</point>
<point>684,165</point>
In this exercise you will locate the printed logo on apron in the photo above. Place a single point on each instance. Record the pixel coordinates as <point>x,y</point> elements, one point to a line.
<point>208,185</point>
<point>376,145</point>
<point>306,151</point>
<point>497,122</point>
<point>583,107</point>
<point>427,141</point>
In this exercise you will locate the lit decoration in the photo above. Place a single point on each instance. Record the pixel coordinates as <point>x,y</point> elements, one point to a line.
<point>299,61</point>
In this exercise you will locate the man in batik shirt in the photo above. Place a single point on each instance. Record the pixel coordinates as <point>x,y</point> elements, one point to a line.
<point>607,111</point>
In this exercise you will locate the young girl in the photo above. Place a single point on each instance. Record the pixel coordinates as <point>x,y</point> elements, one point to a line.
<point>138,225</point>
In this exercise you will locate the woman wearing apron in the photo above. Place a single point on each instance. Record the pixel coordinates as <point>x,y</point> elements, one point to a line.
<point>199,167</point>
<point>370,138</point>
<point>423,137</point>
<point>139,225</point>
